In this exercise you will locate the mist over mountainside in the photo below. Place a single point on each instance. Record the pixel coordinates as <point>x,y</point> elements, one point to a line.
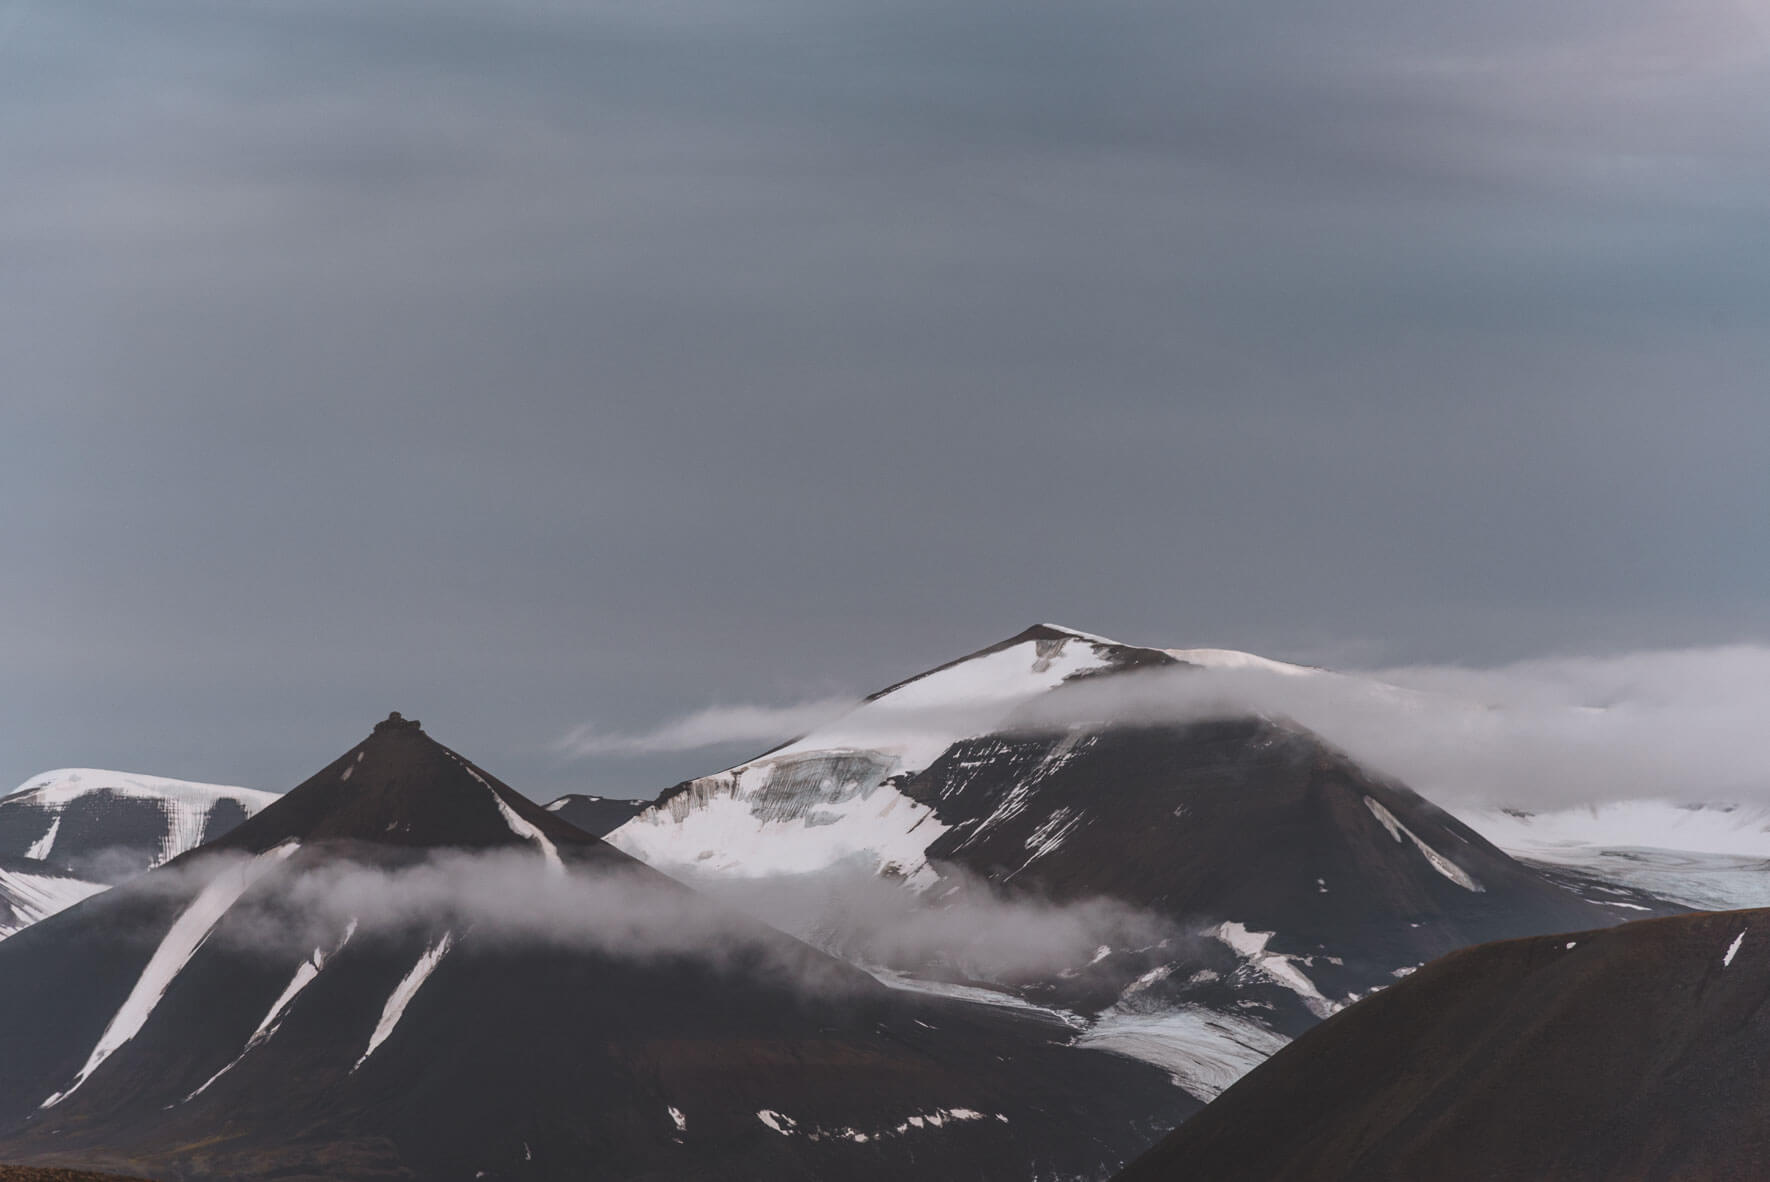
<point>1628,1054</point>
<point>404,968</point>
<point>1192,884</point>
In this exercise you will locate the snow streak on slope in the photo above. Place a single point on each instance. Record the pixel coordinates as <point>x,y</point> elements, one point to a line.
<point>305,974</point>
<point>1439,862</point>
<point>188,933</point>
<point>28,897</point>
<point>517,825</point>
<point>41,847</point>
<point>826,798</point>
<point>404,992</point>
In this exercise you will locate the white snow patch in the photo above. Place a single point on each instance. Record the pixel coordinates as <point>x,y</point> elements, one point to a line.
<point>917,1121</point>
<point>1204,1051</point>
<point>404,992</point>
<point>973,993</point>
<point>680,1121</point>
<point>1438,861</point>
<point>34,897</point>
<point>1276,966</point>
<point>188,933</point>
<point>41,847</point>
<point>1159,973</point>
<point>718,826</point>
<point>1733,948</point>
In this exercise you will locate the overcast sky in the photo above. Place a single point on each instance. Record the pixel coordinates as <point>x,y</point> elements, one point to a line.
<point>524,363</point>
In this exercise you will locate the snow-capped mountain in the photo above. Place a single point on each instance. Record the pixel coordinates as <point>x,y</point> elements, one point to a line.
<point>31,890</point>
<point>834,795</point>
<point>1294,879</point>
<point>597,815</point>
<point>392,971</point>
<point>1626,1054</point>
<point>110,825</point>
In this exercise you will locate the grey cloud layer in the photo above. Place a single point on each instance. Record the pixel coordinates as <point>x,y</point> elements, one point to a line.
<point>514,898</point>
<point>512,363</point>
<point>1684,725</point>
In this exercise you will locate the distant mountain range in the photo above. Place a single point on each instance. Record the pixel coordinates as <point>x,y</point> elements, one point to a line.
<point>107,826</point>
<point>226,1016</point>
<point>404,968</point>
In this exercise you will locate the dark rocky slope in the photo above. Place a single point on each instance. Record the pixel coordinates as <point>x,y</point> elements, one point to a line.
<point>1636,1053</point>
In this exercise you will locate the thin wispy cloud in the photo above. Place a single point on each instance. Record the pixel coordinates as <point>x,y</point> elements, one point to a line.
<point>514,898</point>
<point>1677,724</point>
<point>712,727</point>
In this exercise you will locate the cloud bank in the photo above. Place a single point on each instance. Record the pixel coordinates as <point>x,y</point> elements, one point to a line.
<point>710,727</point>
<point>1678,724</point>
<point>512,897</point>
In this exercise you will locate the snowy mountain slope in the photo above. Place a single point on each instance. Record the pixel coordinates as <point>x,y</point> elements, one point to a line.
<point>254,1010</point>
<point>109,825</point>
<point>31,890</point>
<point>1292,880</point>
<point>830,797</point>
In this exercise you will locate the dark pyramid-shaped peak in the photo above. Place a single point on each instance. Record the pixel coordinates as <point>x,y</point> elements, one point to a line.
<point>400,787</point>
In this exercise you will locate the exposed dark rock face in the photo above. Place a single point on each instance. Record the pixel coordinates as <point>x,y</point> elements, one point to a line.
<point>1633,1053</point>
<point>160,1029</point>
<point>595,815</point>
<point>1246,821</point>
